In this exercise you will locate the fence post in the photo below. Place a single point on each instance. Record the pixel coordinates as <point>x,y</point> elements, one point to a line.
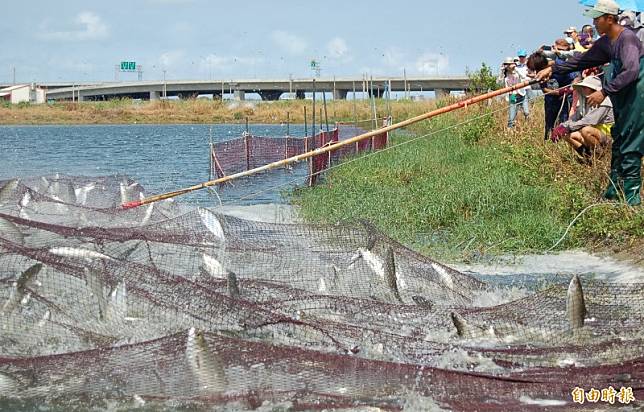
<point>247,150</point>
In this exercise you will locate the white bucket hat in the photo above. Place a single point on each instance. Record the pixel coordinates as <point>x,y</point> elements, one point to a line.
<point>592,82</point>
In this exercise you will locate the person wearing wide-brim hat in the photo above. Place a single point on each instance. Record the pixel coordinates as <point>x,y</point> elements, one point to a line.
<point>588,130</point>
<point>508,77</point>
<point>624,84</point>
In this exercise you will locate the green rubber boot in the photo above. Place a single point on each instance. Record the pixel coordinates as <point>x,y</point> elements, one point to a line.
<point>614,186</point>
<point>632,189</point>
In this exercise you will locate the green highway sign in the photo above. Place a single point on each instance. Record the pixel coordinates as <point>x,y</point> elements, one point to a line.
<point>128,66</point>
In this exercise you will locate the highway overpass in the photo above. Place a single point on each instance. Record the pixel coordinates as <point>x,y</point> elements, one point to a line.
<point>267,89</point>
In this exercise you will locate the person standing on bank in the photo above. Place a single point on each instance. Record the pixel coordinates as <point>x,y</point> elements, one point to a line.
<point>624,84</point>
<point>509,76</point>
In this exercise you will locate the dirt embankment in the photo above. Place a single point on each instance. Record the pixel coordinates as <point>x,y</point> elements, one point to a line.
<point>206,111</point>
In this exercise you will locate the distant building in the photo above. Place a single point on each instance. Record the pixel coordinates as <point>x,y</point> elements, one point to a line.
<point>23,93</point>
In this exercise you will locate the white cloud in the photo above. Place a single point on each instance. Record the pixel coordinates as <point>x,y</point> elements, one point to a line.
<point>338,49</point>
<point>289,42</point>
<point>171,58</point>
<point>91,25</point>
<point>432,63</point>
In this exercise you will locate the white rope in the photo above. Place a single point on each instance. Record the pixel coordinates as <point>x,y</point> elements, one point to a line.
<point>575,220</point>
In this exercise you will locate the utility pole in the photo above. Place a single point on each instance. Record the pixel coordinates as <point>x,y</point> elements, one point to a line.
<point>13,69</point>
<point>165,87</point>
<point>405,81</point>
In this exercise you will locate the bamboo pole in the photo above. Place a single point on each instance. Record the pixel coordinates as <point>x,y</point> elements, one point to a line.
<point>318,151</point>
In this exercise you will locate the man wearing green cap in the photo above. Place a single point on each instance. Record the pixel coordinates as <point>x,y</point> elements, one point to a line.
<point>624,84</point>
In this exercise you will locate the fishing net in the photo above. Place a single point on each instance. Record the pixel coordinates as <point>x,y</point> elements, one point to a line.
<point>171,306</point>
<point>250,151</point>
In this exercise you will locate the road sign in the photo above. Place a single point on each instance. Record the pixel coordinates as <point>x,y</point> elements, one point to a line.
<point>128,66</point>
<point>315,67</point>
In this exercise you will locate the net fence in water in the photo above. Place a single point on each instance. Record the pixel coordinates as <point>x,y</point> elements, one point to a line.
<point>250,151</point>
<point>178,307</point>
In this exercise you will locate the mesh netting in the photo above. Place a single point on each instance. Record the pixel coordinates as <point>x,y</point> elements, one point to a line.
<point>250,151</point>
<point>180,307</point>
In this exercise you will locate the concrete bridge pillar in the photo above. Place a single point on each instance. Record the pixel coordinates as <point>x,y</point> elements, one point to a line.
<point>340,94</point>
<point>299,94</point>
<point>239,95</point>
<point>155,95</point>
<point>187,95</point>
<point>440,93</point>
<point>377,92</point>
<point>270,94</point>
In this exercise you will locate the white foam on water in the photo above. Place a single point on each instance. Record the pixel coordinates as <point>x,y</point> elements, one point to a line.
<point>568,263</point>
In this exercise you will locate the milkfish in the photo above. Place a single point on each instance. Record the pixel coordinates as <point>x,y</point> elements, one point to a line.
<point>212,223</point>
<point>205,363</point>
<point>82,192</point>
<point>389,269</point>
<point>575,306</point>
<point>78,253</point>
<point>20,286</point>
<point>95,284</point>
<point>213,267</point>
<point>117,305</point>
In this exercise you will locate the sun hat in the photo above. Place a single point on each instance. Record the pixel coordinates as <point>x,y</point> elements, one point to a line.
<point>602,7</point>
<point>570,29</point>
<point>592,82</point>
<point>522,53</point>
<point>508,60</point>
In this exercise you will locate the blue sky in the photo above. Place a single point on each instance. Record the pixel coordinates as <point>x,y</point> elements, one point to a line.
<point>73,40</point>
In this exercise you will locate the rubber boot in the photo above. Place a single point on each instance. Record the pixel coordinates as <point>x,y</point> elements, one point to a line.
<point>614,186</point>
<point>632,175</point>
<point>615,183</point>
<point>632,189</point>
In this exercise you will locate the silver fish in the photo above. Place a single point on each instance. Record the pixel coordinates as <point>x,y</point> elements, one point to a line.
<point>25,199</point>
<point>20,287</point>
<point>231,283</point>
<point>127,191</point>
<point>95,284</point>
<point>117,306</point>
<point>212,223</point>
<point>575,306</point>
<point>462,329</point>
<point>213,266</point>
<point>8,189</point>
<point>9,231</point>
<point>81,193</point>
<point>148,214</point>
<point>389,267</point>
<point>68,194</point>
<point>205,364</point>
<point>78,253</point>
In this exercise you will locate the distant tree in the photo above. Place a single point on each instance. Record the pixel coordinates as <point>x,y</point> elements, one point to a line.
<point>482,80</point>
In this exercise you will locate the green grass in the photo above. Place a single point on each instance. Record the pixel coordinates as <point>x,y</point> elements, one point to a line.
<point>470,190</point>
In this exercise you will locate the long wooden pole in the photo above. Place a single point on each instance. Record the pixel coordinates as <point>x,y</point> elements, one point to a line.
<point>321,150</point>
